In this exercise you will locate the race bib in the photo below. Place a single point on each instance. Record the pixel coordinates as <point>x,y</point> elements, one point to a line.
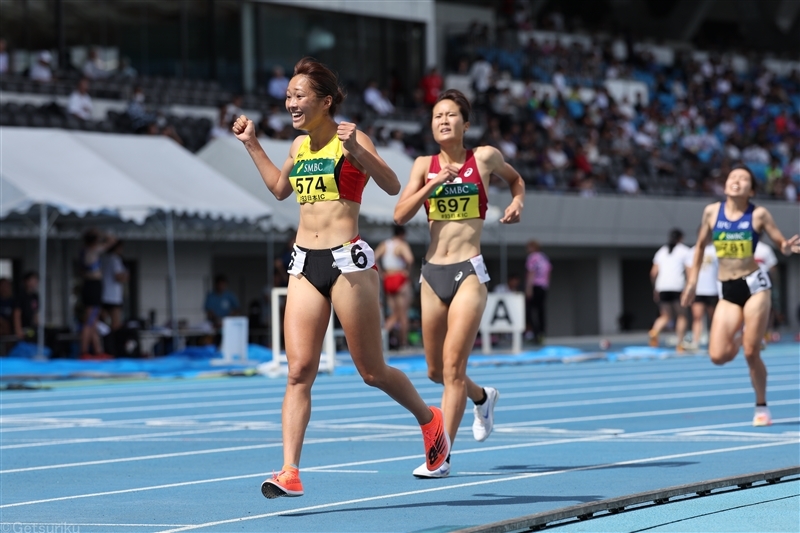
<point>354,256</point>
<point>758,281</point>
<point>313,180</point>
<point>454,201</point>
<point>733,244</point>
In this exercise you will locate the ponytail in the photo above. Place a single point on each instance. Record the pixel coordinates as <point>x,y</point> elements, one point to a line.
<point>675,237</point>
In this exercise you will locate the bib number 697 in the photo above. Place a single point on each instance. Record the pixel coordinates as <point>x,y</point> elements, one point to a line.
<point>359,257</point>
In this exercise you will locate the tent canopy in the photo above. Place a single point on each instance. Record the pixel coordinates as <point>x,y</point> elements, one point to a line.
<point>227,155</point>
<point>130,176</point>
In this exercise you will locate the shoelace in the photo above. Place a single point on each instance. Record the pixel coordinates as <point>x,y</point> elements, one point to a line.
<point>281,475</point>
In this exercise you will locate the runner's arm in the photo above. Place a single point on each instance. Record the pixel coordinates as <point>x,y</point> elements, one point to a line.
<point>703,238</point>
<point>786,246</point>
<point>364,153</point>
<point>419,189</point>
<point>276,180</point>
<point>499,167</point>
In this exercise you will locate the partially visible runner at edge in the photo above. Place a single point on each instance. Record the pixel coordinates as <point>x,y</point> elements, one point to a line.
<point>453,188</point>
<point>735,225</point>
<point>327,169</point>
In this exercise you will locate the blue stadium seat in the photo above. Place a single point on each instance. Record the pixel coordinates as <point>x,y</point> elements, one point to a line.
<point>759,170</point>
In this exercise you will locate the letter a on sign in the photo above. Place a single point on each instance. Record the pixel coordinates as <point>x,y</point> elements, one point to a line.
<point>501,313</point>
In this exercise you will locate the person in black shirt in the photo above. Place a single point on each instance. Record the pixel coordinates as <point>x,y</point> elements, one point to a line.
<point>26,307</point>
<point>6,307</point>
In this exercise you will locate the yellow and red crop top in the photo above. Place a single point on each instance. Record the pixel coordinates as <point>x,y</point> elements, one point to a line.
<point>461,199</point>
<point>325,175</point>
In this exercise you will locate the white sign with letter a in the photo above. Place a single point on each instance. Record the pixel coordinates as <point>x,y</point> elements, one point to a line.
<point>504,313</point>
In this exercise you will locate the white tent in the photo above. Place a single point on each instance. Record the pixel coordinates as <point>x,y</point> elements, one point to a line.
<point>52,167</point>
<point>127,176</point>
<point>228,156</point>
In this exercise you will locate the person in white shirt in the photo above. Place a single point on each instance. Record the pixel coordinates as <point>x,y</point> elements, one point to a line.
<point>94,68</point>
<point>114,277</point>
<point>481,74</point>
<point>767,261</point>
<point>80,103</point>
<point>278,84</point>
<point>375,98</point>
<point>707,292</point>
<point>668,275</point>
<point>41,70</point>
<point>627,183</point>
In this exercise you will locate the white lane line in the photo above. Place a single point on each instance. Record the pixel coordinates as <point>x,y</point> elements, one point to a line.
<point>663,412</point>
<point>551,405</point>
<point>143,387</point>
<point>594,438</point>
<point>204,452</point>
<point>54,526</point>
<point>120,438</point>
<point>263,389</point>
<point>333,471</point>
<point>139,489</point>
<point>475,484</point>
<point>652,397</point>
<point>362,394</point>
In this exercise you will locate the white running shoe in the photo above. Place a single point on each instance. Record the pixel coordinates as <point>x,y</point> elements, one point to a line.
<point>762,417</point>
<point>422,471</point>
<point>484,415</point>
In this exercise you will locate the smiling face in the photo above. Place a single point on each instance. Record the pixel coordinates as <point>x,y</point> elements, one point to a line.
<point>306,107</point>
<point>739,184</point>
<point>448,123</point>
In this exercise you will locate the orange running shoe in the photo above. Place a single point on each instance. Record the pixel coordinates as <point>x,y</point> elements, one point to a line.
<point>285,483</point>
<point>437,441</point>
<point>653,339</point>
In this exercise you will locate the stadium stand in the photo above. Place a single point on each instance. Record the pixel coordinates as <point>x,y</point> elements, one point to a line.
<point>573,112</point>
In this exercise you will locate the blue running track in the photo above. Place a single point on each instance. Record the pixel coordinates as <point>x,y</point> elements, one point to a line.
<point>178,455</point>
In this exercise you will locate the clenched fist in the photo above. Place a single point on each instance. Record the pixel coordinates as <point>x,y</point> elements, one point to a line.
<point>347,134</point>
<point>244,129</point>
<point>447,174</point>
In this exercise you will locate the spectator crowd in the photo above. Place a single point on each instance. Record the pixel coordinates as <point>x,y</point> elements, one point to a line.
<point>545,92</point>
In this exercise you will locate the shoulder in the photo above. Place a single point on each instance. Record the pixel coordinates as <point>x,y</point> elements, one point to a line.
<point>296,144</point>
<point>488,153</point>
<point>712,209</point>
<point>422,164</point>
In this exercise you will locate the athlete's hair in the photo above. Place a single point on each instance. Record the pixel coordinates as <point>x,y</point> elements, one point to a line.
<point>675,236</point>
<point>90,237</point>
<point>461,101</point>
<point>753,181</point>
<point>399,230</point>
<point>323,81</point>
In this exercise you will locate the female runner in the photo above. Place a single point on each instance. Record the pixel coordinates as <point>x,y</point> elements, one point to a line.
<point>396,259</point>
<point>452,185</point>
<point>669,279</point>
<point>327,170</point>
<point>735,225</point>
